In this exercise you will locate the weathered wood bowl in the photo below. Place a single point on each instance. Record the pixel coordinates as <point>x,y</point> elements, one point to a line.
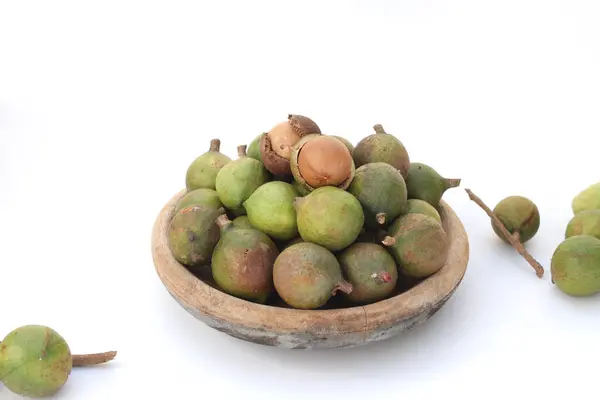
<point>334,326</point>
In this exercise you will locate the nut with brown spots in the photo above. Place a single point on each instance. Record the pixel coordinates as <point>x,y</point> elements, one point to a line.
<point>418,244</point>
<point>307,275</point>
<point>519,215</point>
<point>242,262</point>
<point>382,147</point>
<point>371,270</point>
<point>193,234</point>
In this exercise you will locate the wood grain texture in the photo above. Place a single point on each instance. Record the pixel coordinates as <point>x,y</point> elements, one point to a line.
<point>310,329</point>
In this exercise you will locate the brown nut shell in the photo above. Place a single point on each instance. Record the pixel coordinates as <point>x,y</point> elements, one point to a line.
<point>278,164</point>
<point>275,164</point>
<point>303,125</point>
<point>295,166</point>
<point>282,137</point>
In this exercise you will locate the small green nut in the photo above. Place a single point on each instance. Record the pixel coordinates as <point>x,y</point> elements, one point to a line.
<point>202,172</point>
<point>200,197</point>
<point>419,245</point>
<point>330,217</point>
<point>517,214</point>
<point>371,271</point>
<point>425,183</point>
<point>35,361</point>
<point>306,276</point>
<point>586,222</point>
<point>271,210</point>
<point>193,235</point>
<point>254,148</point>
<point>242,262</point>
<point>381,190</point>
<point>587,199</point>
<point>237,180</point>
<point>417,206</point>
<point>382,147</point>
<point>575,266</point>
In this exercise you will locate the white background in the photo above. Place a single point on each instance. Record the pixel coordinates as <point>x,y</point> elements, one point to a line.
<point>104,104</point>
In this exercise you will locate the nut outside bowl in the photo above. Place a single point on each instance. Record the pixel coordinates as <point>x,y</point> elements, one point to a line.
<point>289,328</point>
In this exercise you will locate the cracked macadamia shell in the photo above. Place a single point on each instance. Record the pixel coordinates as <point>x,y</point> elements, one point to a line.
<point>324,161</point>
<point>319,160</point>
<point>283,137</point>
<point>275,145</point>
<point>275,164</point>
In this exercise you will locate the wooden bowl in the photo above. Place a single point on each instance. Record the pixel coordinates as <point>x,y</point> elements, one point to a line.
<point>307,329</point>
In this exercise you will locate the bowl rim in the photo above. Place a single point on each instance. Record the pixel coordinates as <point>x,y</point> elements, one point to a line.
<point>194,294</point>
